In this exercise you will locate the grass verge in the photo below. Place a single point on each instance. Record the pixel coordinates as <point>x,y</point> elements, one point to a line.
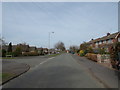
<point>8,58</point>
<point>6,76</point>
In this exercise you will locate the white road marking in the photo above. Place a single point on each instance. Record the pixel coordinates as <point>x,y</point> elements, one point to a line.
<point>51,58</point>
<point>43,62</point>
<point>47,60</point>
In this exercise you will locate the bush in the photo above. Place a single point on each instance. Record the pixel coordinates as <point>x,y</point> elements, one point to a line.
<point>114,51</point>
<point>101,51</point>
<point>90,50</point>
<point>33,54</point>
<point>91,56</point>
<point>3,52</point>
<point>17,52</point>
<point>10,53</point>
<point>82,53</point>
<point>30,54</point>
<point>117,50</point>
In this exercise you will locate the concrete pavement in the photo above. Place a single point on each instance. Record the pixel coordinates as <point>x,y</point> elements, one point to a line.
<point>60,72</point>
<point>105,75</point>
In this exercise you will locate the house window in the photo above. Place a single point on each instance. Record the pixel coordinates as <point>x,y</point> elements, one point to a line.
<point>109,41</point>
<point>104,41</point>
<point>96,43</point>
<point>119,39</point>
<point>100,42</point>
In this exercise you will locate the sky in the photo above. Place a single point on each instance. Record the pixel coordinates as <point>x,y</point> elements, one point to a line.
<point>72,22</point>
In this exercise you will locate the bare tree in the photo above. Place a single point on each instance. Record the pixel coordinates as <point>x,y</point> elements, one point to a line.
<point>60,46</point>
<point>2,41</point>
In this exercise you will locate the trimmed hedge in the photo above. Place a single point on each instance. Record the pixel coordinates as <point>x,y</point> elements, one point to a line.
<point>30,54</point>
<point>92,56</point>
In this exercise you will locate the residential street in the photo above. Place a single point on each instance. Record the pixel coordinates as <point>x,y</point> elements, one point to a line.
<point>65,71</point>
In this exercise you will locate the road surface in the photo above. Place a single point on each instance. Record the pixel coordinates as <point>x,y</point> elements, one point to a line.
<point>63,71</point>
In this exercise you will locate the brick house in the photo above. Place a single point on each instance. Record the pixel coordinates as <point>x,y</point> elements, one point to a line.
<point>24,47</point>
<point>105,41</point>
<point>32,49</point>
<point>44,50</point>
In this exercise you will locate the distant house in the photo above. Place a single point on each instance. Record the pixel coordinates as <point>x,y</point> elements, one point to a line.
<point>24,47</point>
<point>106,41</point>
<point>39,49</point>
<point>32,49</point>
<point>52,51</point>
<point>45,50</point>
<point>42,50</point>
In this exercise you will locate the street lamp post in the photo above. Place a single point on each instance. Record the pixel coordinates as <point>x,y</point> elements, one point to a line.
<point>49,42</point>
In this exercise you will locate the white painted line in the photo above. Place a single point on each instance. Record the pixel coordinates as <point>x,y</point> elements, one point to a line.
<point>47,60</point>
<point>51,58</point>
<point>43,62</point>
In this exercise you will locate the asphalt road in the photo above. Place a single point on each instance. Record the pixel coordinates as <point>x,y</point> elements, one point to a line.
<point>63,71</point>
<point>32,61</point>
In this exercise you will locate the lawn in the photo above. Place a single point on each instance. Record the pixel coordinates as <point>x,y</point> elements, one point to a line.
<point>6,76</point>
<point>8,57</point>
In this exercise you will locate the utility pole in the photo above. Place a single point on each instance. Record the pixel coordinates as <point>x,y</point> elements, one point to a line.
<point>49,42</point>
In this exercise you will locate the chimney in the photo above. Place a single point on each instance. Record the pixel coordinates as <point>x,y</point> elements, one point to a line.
<point>108,34</point>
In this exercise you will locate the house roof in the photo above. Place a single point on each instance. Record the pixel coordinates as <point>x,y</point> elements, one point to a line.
<point>31,48</point>
<point>111,36</point>
<point>42,48</point>
<point>39,48</point>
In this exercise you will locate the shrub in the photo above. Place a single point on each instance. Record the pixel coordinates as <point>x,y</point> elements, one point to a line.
<point>114,54</point>
<point>10,53</point>
<point>91,56</point>
<point>82,53</point>
<point>30,54</point>
<point>89,50</point>
<point>102,51</point>
<point>33,54</point>
<point>17,52</point>
<point>3,52</point>
<point>25,53</point>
